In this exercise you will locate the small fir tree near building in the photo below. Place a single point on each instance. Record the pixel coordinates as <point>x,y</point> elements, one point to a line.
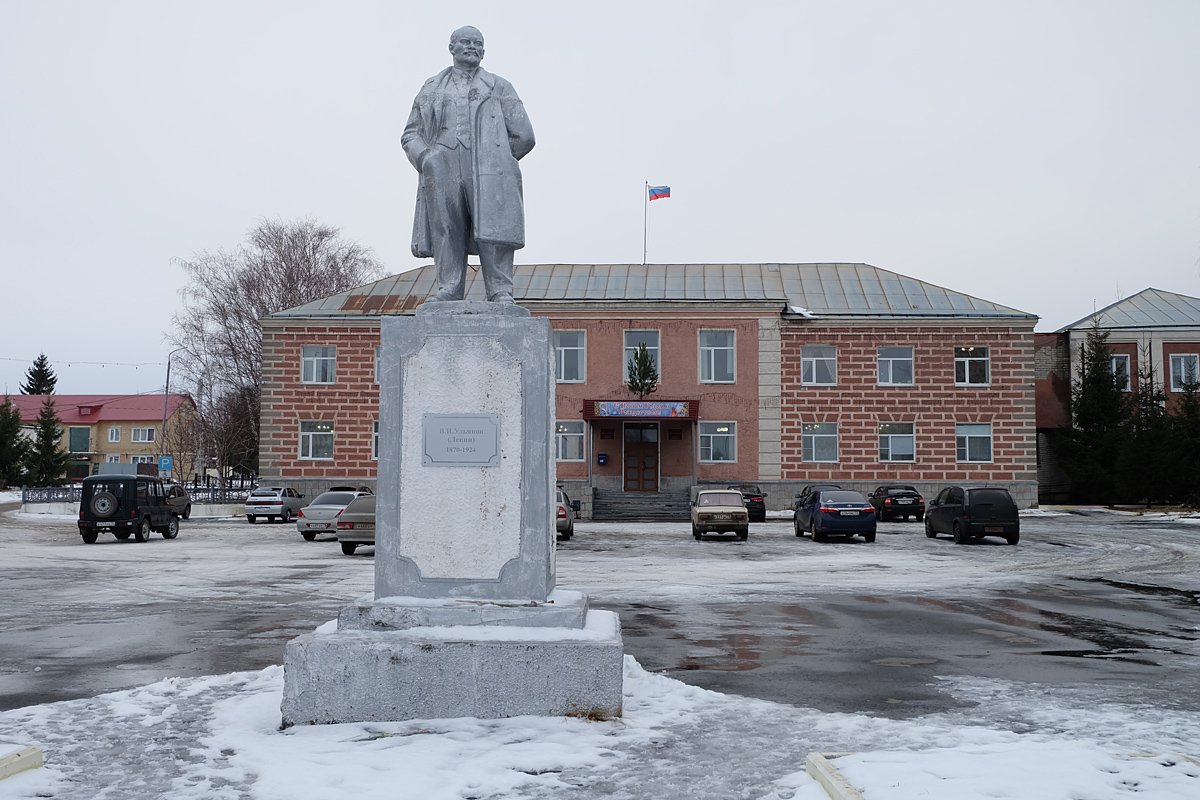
<point>1145,465</point>
<point>643,375</point>
<point>14,447</point>
<point>1099,421</point>
<point>47,462</point>
<point>40,378</point>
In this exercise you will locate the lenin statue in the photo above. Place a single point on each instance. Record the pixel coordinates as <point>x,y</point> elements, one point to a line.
<point>466,132</point>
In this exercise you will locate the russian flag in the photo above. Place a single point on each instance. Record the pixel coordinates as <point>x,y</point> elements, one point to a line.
<point>659,192</point>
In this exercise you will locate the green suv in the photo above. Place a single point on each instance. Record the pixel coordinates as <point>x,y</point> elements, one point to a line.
<point>126,505</point>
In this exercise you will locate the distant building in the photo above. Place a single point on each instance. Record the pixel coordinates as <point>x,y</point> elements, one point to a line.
<point>781,374</point>
<point>115,428</point>
<point>1152,333</point>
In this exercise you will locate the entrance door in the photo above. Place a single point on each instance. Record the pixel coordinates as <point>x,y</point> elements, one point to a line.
<point>641,456</point>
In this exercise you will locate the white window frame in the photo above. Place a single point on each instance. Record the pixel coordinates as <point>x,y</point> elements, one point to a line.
<point>812,358</point>
<point>309,439</point>
<point>375,441</point>
<point>629,352</point>
<point>568,432</point>
<point>1180,370</point>
<point>708,356</point>
<point>114,434</point>
<point>560,351</point>
<point>1124,371</point>
<point>112,459</point>
<point>966,357</point>
<point>967,433</point>
<point>318,364</point>
<point>890,361</point>
<point>814,433</point>
<point>377,366</point>
<point>141,459</point>
<point>711,432</point>
<point>887,438</point>
<point>142,436</point>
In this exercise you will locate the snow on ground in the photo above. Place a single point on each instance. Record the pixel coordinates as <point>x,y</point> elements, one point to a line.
<point>10,496</point>
<point>217,738</point>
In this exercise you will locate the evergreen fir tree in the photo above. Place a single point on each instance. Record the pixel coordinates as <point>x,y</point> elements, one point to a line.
<point>40,378</point>
<point>14,447</point>
<point>643,375</point>
<point>1144,464</point>
<point>1099,421</point>
<point>1184,470</point>
<point>47,462</point>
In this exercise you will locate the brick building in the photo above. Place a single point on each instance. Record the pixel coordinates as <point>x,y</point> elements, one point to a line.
<point>1153,334</point>
<point>782,374</point>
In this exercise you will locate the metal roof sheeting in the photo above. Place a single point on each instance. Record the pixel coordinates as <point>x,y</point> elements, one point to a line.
<point>1149,308</point>
<point>822,289</point>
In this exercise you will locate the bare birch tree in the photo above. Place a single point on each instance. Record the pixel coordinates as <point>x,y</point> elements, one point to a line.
<point>280,265</point>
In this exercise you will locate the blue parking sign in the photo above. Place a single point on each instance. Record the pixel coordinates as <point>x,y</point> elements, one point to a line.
<point>165,463</point>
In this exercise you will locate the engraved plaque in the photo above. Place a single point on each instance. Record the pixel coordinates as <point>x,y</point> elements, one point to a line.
<point>460,440</point>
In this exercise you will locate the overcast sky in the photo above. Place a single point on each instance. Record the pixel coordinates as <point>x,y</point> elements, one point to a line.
<point>1042,155</point>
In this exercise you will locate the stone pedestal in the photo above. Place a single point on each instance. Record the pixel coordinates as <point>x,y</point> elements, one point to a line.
<point>465,619</point>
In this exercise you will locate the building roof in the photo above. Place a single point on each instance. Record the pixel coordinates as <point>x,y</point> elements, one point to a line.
<point>798,289</point>
<point>90,409</point>
<point>1149,308</point>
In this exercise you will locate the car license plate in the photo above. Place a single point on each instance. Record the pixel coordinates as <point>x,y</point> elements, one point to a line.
<point>850,513</point>
<point>721,516</point>
<point>318,524</point>
<point>993,529</point>
<point>106,524</point>
<point>904,500</point>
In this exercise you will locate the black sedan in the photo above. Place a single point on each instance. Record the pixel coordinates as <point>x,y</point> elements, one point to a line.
<point>898,501</point>
<point>754,500</point>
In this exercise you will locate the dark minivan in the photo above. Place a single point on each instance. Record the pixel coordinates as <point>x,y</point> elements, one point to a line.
<point>126,505</point>
<point>971,512</point>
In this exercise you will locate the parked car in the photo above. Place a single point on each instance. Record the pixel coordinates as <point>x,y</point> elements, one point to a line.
<point>754,500</point>
<point>720,511</point>
<point>837,512</point>
<point>274,502</point>
<point>803,507</point>
<point>356,524</point>
<point>971,512</point>
<point>321,515</point>
<point>125,505</point>
<point>565,510</point>
<point>178,499</point>
<point>897,500</point>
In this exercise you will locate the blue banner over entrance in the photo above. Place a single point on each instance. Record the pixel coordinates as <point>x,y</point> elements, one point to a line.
<point>643,409</point>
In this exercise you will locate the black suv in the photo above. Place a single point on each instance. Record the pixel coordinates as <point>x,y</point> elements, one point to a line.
<point>126,505</point>
<point>970,512</point>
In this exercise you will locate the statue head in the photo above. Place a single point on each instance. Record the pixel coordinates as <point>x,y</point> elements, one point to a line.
<point>466,45</point>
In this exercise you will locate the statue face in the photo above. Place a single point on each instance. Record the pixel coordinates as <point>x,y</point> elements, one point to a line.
<point>466,45</point>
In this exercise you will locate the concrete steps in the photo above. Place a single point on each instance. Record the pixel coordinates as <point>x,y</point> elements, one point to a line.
<point>614,506</point>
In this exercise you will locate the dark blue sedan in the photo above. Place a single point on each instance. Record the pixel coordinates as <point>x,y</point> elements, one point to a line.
<point>837,512</point>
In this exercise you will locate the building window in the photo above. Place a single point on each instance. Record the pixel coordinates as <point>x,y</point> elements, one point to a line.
<point>376,366</point>
<point>971,366</point>
<point>1120,371</point>
<point>897,441</point>
<point>973,441</point>
<point>717,355</point>
<point>570,356</point>
<point>375,441</point>
<point>820,441</point>
<point>718,441</point>
<point>568,440</point>
<point>111,459</point>
<point>316,440</point>
<point>895,366</point>
<point>317,363</point>
<point>141,460</point>
<point>79,440</point>
<point>633,339</point>
<point>114,434</point>
<point>1185,371</point>
<point>818,365</point>
<point>143,435</point>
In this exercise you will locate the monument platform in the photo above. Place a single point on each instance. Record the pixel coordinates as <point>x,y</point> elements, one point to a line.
<point>465,619</point>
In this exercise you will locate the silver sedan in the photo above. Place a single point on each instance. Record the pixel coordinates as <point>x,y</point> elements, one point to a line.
<point>321,515</point>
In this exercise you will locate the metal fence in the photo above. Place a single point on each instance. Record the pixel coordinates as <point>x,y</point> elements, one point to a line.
<point>73,494</point>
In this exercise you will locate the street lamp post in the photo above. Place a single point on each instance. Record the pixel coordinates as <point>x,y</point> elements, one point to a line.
<point>162,433</point>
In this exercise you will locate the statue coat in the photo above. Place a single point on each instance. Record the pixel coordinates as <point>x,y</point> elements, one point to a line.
<point>501,134</point>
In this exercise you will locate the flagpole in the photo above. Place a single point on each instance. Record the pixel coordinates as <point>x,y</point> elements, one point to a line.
<point>645,216</point>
